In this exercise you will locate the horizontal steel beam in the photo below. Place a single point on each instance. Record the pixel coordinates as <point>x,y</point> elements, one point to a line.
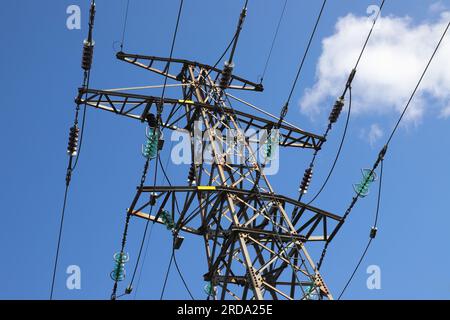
<point>160,65</point>
<point>137,106</point>
<point>264,195</point>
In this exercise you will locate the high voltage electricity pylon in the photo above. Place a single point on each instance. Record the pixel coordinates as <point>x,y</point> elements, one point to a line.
<point>244,229</point>
<point>255,240</point>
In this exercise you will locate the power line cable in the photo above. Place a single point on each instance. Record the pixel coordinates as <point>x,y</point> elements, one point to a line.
<point>273,41</point>
<point>174,255</point>
<point>334,115</point>
<point>143,262</point>
<point>125,232</point>
<point>294,84</point>
<point>181,275</point>
<point>124,25</point>
<point>172,47</point>
<point>166,276</point>
<point>418,84</point>
<point>150,234</point>
<point>230,60</point>
<point>144,236</point>
<point>284,109</point>
<point>372,235</point>
<point>162,97</point>
<point>308,172</point>
<point>338,153</point>
<point>180,8</point>
<point>383,151</point>
<point>59,241</point>
<point>74,147</point>
<point>256,183</point>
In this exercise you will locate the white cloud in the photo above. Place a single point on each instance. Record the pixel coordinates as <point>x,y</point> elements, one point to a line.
<point>445,113</point>
<point>437,7</point>
<point>388,72</point>
<point>372,135</point>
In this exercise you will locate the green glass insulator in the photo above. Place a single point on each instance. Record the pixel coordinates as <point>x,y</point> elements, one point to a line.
<point>361,189</point>
<point>368,175</point>
<point>167,219</point>
<point>270,146</point>
<point>209,289</point>
<point>150,150</point>
<point>118,273</point>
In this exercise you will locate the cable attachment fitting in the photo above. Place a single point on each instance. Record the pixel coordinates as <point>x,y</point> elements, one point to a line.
<point>284,112</point>
<point>72,147</point>
<point>382,153</point>
<point>373,232</point>
<point>306,181</point>
<point>92,15</point>
<point>177,241</point>
<point>350,78</point>
<point>336,111</point>
<point>151,120</point>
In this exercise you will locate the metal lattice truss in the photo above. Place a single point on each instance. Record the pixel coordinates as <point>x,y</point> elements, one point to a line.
<point>255,240</point>
<point>273,245</point>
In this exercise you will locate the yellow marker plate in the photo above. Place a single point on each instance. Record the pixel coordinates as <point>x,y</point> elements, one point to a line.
<point>206,188</point>
<point>186,101</point>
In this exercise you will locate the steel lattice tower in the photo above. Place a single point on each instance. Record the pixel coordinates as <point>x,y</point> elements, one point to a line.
<point>255,240</point>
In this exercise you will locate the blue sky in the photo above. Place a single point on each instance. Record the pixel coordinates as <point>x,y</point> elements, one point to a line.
<point>40,64</point>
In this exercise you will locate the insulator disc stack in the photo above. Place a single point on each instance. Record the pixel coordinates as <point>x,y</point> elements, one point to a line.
<point>120,258</point>
<point>306,181</point>
<point>72,147</point>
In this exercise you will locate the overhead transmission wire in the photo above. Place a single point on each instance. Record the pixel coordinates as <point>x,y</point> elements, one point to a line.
<point>144,235</point>
<point>74,146</point>
<point>256,183</point>
<point>383,151</point>
<point>159,121</point>
<point>165,85</point>
<point>173,253</point>
<point>285,110</point>
<point>333,118</point>
<point>218,61</point>
<point>83,121</point>
<point>300,68</point>
<point>371,237</point>
<point>143,178</point>
<point>125,25</point>
<point>83,125</point>
<point>297,76</point>
<point>338,153</point>
<point>173,256</point>
<point>259,194</point>
<point>348,87</point>
<point>285,107</point>
<point>274,40</point>
<point>233,42</point>
<point>150,234</point>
